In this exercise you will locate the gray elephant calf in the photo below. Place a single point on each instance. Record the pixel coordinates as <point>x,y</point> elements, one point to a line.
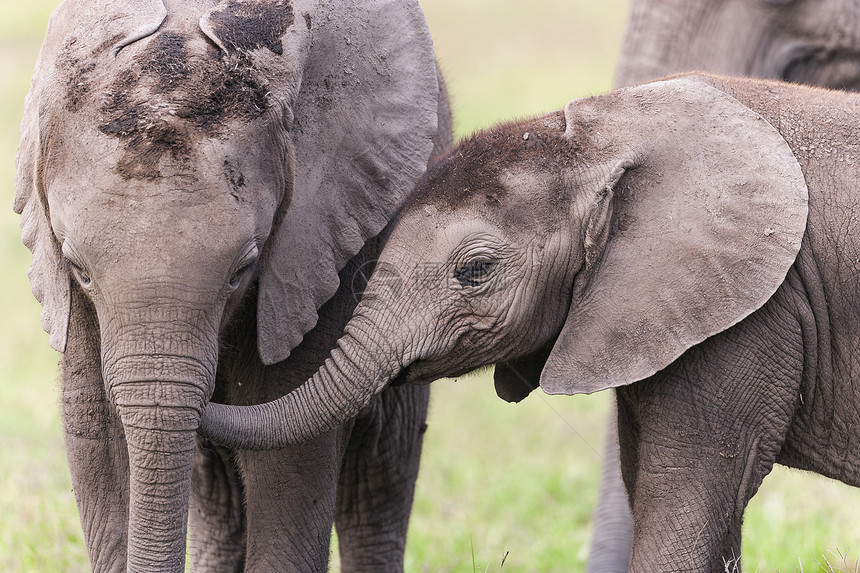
<point>691,242</point>
<point>192,178</point>
<point>814,43</point>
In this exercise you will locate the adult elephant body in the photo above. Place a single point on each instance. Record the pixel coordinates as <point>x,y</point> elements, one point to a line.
<point>192,177</point>
<point>808,42</point>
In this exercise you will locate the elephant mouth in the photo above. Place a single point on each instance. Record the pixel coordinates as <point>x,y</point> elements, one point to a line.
<point>415,373</point>
<point>423,372</point>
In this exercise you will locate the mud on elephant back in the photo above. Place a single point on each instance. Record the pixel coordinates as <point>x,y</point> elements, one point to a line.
<point>682,241</point>
<point>191,179</point>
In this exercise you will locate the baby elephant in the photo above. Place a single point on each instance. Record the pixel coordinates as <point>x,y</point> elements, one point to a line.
<point>693,243</point>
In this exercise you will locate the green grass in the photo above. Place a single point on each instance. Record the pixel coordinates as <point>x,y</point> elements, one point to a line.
<point>505,478</point>
<point>496,479</point>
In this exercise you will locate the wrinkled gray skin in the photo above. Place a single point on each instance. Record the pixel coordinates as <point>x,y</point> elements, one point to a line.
<point>815,42</point>
<point>690,242</point>
<point>191,179</point>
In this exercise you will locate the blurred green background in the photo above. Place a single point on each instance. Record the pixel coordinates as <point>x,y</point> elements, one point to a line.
<point>499,482</point>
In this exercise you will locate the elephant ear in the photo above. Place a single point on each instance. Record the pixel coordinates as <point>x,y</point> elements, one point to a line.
<point>76,29</point>
<point>515,379</point>
<point>364,118</point>
<point>48,274</point>
<point>700,218</point>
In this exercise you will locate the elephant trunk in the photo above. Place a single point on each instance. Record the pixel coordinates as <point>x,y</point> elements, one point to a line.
<point>344,384</point>
<point>650,43</point>
<point>160,416</point>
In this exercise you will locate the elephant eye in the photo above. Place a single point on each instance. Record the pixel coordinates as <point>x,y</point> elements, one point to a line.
<point>474,272</point>
<point>81,276</point>
<point>245,264</point>
<point>237,277</point>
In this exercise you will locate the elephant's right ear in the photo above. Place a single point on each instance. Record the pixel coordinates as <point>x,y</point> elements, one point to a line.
<point>74,30</point>
<point>516,379</point>
<point>365,115</point>
<point>48,274</point>
<point>700,214</point>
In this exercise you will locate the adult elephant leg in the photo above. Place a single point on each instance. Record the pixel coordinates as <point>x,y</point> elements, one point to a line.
<point>95,444</point>
<point>698,438</point>
<point>612,529</point>
<point>377,480</point>
<point>216,521</point>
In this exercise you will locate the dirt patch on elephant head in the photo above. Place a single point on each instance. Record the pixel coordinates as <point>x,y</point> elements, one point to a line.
<point>79,70</point>
<point>168,98</point>
<point>165,62</point>
<point>252,25</point>
<point>147,139</point>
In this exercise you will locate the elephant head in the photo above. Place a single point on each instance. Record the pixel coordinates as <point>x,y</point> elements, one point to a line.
<point>802,41</point>
<point>162,145</point>
<point>581,250</point>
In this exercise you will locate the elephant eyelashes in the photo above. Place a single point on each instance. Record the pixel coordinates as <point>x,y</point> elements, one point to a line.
<point>474,272</point>
<point>81,276</point>
<point>248,261</point>
<point>236,279</point>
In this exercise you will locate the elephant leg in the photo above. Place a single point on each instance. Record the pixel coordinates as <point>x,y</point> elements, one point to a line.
<point>289,504</point>
<point>684,491</point>
<point>612,535</point>
<point>688,512</point>
<point>95,445</point>
<point>216,516</point>
<point>698,438</point>
<point>377,480</point>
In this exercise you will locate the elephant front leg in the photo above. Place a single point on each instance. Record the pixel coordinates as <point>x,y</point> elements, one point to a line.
<point>95,447</point>
<point>289,504</point>
<point>696,441</point>
<point>216,517</point>
<point>377,480</point>
<point>689,488</point>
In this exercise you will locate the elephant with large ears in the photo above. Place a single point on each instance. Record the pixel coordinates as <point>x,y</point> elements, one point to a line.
<point>802,41</point>
<point>191,179</point>
<point>690,242</point>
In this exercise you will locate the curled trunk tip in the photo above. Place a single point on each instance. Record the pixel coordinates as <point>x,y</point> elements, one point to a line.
<point>336,393</point>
